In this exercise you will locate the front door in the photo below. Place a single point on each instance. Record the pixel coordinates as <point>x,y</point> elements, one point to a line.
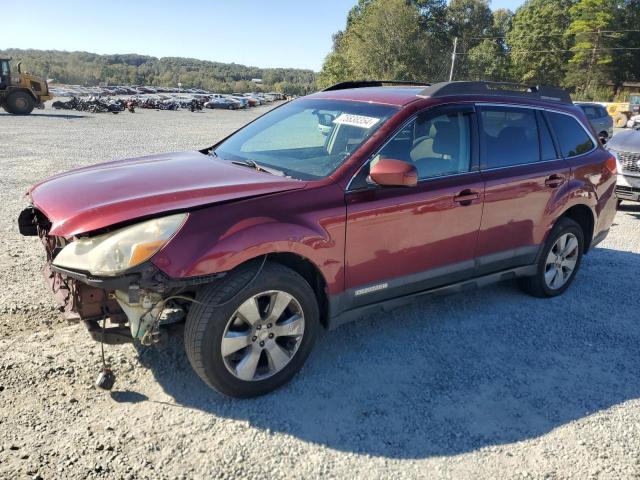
<point>403,240</point>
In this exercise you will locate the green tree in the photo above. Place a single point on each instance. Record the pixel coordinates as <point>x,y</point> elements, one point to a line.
<point>89,69</point>
<point>388,39</point>
<point>489,60</point>
<point>468,20</point>
<point>591,62</point>
<point>626,63</point>
<point>537,41</point>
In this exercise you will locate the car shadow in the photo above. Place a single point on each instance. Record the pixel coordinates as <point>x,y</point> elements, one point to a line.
<point>63,116</point>
<point>448,375</point>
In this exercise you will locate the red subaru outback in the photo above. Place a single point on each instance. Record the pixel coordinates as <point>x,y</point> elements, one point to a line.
<point>347,200</point>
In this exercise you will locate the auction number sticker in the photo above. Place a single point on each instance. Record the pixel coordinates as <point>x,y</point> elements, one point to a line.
<point>356,120</point>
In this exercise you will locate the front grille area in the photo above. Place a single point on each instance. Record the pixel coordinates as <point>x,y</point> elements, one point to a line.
<point>624,189</point>
<point>630,162</point>
<point>628,193</point>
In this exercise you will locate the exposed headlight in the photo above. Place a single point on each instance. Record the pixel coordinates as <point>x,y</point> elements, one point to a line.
<point>117,251</point>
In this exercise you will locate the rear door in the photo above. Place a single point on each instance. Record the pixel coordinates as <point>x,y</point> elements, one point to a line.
<point>524,175</point>
<point>403,240</point>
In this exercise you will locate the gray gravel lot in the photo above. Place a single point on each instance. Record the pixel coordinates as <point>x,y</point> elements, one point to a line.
<point>489,384</point>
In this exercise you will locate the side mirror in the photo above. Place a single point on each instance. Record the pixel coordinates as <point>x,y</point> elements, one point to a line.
<point>603,139</point>
<point>394,173</point>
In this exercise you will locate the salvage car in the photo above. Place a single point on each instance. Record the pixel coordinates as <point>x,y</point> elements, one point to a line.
<point>281,229</point>
<point>626,147</point>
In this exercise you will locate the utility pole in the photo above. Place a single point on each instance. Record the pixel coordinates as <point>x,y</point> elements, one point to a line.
<point>453,57</point>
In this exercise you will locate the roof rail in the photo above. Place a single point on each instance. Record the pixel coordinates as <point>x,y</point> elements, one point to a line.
<point>372,83</point>
<point>497,89</point>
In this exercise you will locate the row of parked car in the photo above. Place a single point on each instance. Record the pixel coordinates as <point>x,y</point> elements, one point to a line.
<point>82,91</point>
<point>193,102</point>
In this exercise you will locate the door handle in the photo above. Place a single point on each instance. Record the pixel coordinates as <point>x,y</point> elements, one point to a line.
<point>465,197</point>
<point>554,181</point>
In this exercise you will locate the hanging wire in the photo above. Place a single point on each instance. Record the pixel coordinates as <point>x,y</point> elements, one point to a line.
<point>561,51</point>
<point>557,34</point>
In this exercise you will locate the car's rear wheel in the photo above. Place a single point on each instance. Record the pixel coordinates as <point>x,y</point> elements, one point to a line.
<point>249,334</point>
<point>559,261</point>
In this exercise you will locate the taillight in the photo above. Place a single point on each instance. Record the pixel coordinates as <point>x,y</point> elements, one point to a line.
<point>612,164</point>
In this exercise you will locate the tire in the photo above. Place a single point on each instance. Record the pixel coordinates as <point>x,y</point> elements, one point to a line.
<point>215,318</point>
<point>20,103</point>
<point>620,120</point>
<point>538,284</point>
<point>618,203</point>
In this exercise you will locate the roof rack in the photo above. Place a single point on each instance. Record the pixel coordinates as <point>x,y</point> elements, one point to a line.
<point>373,83</point>
<point>497,89</point>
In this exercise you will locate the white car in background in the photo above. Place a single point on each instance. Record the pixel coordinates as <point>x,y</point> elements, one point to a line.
<point>626,146</point>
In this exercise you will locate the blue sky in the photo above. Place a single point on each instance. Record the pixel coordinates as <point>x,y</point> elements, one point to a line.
<point>276,33</point>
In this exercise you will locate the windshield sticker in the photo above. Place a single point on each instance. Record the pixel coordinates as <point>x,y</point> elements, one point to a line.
<point>356,120</point>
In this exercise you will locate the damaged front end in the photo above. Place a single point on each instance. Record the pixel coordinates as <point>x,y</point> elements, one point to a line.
<point>107,281</point>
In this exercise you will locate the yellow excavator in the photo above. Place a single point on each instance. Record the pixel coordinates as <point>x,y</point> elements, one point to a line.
<point>21,93</point>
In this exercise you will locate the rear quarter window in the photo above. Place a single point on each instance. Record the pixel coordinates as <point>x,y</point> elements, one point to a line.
<point>590,111</point>
<point>572,137</point>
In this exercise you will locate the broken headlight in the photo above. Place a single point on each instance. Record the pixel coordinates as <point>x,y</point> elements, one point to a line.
<point>117,251</point>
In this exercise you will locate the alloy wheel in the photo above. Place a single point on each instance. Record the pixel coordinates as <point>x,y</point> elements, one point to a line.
<point>561,261</point>
<point>262,335</point>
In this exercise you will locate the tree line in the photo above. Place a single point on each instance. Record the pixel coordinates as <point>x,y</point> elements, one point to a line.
<point>89,69</point>
<point>588,46</point>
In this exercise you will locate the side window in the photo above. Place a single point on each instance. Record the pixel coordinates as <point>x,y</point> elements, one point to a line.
<point>572,137</point>
<point>437,145</point>
<point>509,136</point>
<point>547,148</point>
<point>590,111</point>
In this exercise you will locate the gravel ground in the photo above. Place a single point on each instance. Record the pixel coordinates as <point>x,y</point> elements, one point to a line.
<point>489,384</point>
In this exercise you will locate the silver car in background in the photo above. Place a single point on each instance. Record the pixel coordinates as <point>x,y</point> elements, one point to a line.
<point>626,147</point>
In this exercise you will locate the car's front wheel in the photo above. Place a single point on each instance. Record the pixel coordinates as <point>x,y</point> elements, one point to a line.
<point>250,334</point>
<point>559,261</point>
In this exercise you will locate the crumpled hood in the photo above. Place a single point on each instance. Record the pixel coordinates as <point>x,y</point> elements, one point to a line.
<point>98,196</point>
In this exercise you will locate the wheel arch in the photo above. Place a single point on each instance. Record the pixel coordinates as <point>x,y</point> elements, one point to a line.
<point>307,270</point>
<point>583,216</point>
<point>312,274</point>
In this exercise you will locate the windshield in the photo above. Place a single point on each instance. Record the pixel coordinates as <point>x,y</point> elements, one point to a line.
<point>634,99</point>
<point>307,138</point>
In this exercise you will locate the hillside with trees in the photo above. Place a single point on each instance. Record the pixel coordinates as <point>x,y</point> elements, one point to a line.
<point>589,46</point>
<point>82,68</point>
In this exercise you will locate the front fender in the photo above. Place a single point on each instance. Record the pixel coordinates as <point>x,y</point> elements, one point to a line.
<point>219,238</point>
